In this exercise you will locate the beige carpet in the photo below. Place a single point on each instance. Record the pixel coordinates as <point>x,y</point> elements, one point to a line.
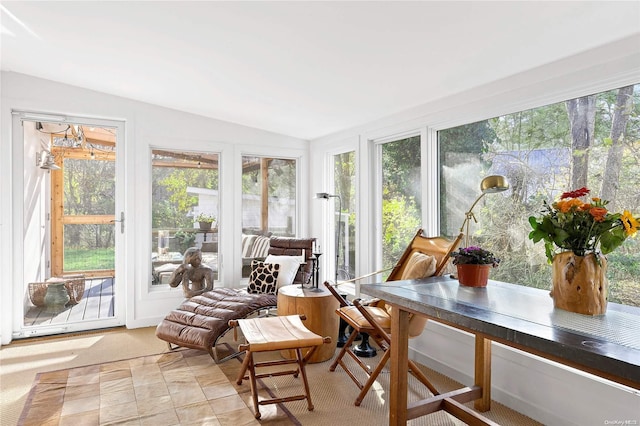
<point>218,400</point>
<point>333,395</point>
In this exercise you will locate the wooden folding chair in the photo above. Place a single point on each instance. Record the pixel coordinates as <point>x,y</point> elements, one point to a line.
<point>424,257</point>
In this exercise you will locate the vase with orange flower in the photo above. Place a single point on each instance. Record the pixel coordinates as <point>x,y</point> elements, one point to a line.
<point>577,235</point>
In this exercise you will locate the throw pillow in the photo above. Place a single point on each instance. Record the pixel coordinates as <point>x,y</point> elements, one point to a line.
<point>289,266</point>
<point>247,244</point>
<point>420,265</point>
<point>260,247</point>
<point>263,277</point>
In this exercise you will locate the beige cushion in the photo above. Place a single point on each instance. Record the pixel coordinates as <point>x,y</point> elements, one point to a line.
<point>420,265</point>
<point>378,314</point>
<point>277,333</point>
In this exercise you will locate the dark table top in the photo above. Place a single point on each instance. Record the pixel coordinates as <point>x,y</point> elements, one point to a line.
<point>525,318</point>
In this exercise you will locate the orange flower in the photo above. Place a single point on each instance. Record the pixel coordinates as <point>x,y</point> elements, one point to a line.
<point>566,206</point>
<point>586,207</point>
<point>598,213</point>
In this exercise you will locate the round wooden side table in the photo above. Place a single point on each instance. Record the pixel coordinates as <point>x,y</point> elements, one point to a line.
<point>319,306</point>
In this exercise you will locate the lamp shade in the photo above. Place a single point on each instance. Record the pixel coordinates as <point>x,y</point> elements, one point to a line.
<point>489,185</point>
<point>494,183</point>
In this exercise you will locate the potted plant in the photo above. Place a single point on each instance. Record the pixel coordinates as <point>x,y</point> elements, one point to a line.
<point>577,234</point>
<point>205,220</point>
<point>473,264</point>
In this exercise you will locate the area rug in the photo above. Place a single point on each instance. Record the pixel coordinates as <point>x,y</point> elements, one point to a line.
<point>175,388</point>
<point>185,387</point>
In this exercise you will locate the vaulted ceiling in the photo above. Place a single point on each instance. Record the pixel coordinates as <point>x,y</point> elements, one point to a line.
<point>303,69</point>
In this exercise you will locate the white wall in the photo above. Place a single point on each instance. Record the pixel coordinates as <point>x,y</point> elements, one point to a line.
<point>546,391</point>
<point>146,126</point>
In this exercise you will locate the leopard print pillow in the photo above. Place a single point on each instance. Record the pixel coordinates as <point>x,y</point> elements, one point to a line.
<point>263,277</point>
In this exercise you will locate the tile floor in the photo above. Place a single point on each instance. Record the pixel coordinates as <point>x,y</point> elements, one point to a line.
<point>154,390</point>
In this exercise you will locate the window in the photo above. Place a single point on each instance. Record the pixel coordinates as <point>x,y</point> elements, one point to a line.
<point>591,141</point>
<point>268,205</point>
<point>401,197</point>
<point>345,174</point>
<point>184,185</point>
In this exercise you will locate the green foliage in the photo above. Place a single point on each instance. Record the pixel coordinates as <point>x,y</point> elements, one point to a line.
<point>401,197</point>
<point>474,256</point>
<point>185,239</point>
<point>89,189</point>
<point>171,204</point>
<point>470,138</point>
<point>543,127</point>
<point>401,220</point>
<point>205,217</point>
<point>401,170</point>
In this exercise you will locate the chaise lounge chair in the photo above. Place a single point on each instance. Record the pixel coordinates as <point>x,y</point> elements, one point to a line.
<point>200,321</point>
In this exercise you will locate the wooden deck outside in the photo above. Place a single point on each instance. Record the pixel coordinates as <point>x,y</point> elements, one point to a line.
<point>96,303</point>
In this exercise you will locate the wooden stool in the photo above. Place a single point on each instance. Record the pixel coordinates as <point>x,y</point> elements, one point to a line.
<point>276,334</point>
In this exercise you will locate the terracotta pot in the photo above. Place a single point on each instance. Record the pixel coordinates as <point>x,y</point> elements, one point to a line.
<point>579,283</point>
<point>473,275</point>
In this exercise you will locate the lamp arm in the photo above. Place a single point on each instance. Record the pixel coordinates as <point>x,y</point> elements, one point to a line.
<point>469,213</point>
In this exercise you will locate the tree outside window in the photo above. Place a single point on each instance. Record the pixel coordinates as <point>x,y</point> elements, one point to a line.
<point>401,197</point>
<point>345,173</point>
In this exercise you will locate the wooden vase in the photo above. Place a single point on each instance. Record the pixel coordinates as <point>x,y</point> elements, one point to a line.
<point>474,275</point>
<point>579,283</point>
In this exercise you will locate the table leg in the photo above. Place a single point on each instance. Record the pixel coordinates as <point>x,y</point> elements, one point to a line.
<point>483,373</point>
<point>399,366</point>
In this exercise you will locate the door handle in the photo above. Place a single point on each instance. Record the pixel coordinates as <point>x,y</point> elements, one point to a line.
<point>121,222</point>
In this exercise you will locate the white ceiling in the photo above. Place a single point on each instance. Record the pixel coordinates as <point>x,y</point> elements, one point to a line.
<point>304,69</point>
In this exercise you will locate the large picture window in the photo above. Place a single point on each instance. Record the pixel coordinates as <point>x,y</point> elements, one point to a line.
<point>184,190</point>
<point>592,142</point>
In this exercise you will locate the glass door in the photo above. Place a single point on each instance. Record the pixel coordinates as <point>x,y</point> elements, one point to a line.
<point>73,227</point>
